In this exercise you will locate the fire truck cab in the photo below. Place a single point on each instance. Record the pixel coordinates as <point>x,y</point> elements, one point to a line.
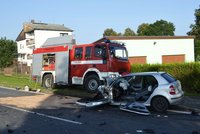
<point>66,63</point>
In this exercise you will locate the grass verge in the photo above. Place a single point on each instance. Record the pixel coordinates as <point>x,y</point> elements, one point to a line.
<point>16,81</point>
<point>20,81</point>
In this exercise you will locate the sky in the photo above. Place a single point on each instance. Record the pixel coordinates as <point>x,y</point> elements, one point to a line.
<point>89,18</point>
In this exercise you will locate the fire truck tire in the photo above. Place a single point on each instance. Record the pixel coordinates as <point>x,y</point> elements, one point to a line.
<point>47,81</point>
<point>92,83</point>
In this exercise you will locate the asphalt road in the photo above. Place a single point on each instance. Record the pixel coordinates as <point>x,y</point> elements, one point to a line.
<point>100,120</point>
<point>13,93</point>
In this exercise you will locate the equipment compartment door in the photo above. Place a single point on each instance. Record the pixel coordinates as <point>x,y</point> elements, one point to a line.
<point>37,65</point>
<point>62,67</point>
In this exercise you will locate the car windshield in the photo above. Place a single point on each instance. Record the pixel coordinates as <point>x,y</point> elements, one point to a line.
<point>168,77</point>
<point>118,52</point>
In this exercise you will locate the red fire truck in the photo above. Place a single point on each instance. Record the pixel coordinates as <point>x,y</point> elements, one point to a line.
<point>87,64</point>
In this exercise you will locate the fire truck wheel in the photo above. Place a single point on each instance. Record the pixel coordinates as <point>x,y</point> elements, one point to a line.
<point>48,81</point>
<point>92,83</point>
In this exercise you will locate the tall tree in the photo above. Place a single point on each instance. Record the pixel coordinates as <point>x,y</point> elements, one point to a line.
<point>110,32</point>
<point>8,52</point>
<point>158,28</point>
<point>128,32</point>
<point>195,30</point>
<point>163,28</point>
<point>143,29</point>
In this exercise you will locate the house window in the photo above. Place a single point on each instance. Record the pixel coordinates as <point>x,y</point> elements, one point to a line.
<point>30,34</point>
<point>63,34</point>
<point>29,56</point>
<point>78,53</point>
<point>88,52</point>
<point>23,56</point>
<point>21,46</point>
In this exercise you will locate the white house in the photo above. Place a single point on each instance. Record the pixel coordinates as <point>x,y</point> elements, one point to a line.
<point>33,35</point>
<point>157,49</point>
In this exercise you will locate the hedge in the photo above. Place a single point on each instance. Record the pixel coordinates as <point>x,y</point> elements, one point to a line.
<point>187,73</point>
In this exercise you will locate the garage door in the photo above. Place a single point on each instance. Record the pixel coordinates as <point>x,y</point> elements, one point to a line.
<point>173,58</point>
<point>138,60</point>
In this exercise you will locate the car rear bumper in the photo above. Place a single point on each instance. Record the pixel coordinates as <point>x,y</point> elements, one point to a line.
<point>177,99</point>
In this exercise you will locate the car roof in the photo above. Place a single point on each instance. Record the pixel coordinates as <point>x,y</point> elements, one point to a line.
<point>145,73</point>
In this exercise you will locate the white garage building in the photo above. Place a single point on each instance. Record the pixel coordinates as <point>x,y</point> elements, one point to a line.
<point>157,49</point>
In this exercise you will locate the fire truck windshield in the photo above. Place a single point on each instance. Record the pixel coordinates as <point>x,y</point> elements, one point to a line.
<point>118,52</point>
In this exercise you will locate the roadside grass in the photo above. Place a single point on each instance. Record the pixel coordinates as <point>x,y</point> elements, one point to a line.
<point>20,81</point>
<point>192,94</point>
<point>16,81</point>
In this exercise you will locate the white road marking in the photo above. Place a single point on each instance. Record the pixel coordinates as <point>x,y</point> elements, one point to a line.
<point>182,112</point>
<point>44,115</point>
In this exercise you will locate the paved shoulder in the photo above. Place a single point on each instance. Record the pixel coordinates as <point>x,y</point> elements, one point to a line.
<point>5,92</point>
<point>191,102</point>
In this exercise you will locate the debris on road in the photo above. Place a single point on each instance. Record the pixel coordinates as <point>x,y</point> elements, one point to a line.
<point>10,131</point>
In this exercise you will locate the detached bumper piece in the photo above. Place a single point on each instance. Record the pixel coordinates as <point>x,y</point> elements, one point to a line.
<point>135,107</point>
<point>92,103</point>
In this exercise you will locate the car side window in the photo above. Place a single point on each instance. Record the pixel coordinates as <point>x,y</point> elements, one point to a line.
<point>78,53</point>
<point>136,83</point>
<point>150,81</point>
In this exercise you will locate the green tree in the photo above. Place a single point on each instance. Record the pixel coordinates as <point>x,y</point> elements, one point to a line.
<point>197,49</point>
<point>163,28</point>
<point>195,30</point>
<point>128,32</point>
<point>119,34</point>
<point>8,51</point>
<point>110,32</point>
<point>158,28</point>
<point>143,29</point>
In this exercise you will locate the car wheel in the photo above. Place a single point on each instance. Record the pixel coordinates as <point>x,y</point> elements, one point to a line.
<point>159,104</point>
<point>92,83</point>
<point>48,81</point>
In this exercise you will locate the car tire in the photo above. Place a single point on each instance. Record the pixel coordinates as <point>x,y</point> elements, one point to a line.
<point>48,81</point>
<point>92,83</point>
<point>159,104</point>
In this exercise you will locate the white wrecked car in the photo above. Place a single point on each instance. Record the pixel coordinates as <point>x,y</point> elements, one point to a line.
<point>135,91</point>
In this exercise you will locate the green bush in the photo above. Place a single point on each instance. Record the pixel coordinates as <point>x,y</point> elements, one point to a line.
<point>8,52</point>
<point>187,73</point>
